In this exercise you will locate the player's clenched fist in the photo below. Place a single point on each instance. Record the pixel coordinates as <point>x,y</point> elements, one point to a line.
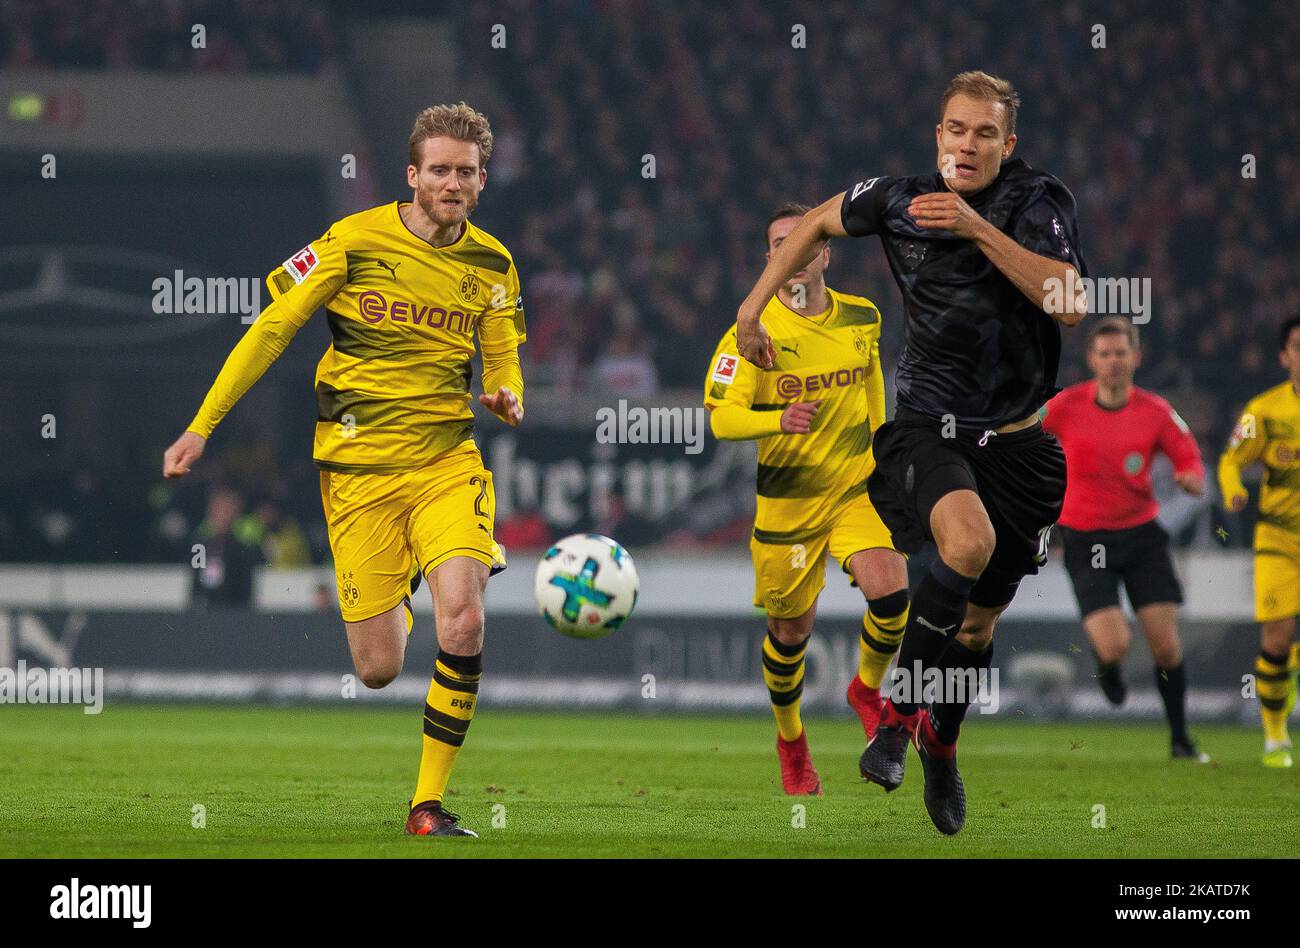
<point>504,405</point>
<point>180,457</point>
<point>797,418</point>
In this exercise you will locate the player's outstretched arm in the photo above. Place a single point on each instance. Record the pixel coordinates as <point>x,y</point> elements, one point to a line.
<point>248,361</point>
<point>805,242</point>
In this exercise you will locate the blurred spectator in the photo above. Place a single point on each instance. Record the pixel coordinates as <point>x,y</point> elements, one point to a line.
<point>626,368</point>
<point>223,572</point>
<point>282,543</point>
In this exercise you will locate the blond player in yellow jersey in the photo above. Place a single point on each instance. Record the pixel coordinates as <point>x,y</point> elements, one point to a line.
<point>813,414</point>
<point>407,287</point>
<point>1269,433</point>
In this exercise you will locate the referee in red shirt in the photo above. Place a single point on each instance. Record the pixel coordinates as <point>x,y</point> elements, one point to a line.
<point>1110,429</point>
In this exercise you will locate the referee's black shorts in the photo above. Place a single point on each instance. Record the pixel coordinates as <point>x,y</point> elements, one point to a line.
<point>1019,476</point>
<point>1099,560</point>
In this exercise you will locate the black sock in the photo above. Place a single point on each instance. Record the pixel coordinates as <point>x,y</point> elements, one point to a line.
<point>950,711</point>
<point>1172,685</point>
<point>1108,672</point>
<point>940,601</point>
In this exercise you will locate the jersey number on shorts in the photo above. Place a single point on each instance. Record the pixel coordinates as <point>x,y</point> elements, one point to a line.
<point>480,502</point>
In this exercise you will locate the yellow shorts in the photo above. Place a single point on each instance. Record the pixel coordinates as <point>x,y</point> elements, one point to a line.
<point>788,577</point>
<point>1277,573</point>
<point>385,527</point>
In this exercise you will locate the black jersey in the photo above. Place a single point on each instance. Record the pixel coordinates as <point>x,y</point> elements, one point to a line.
<point>977,348</point>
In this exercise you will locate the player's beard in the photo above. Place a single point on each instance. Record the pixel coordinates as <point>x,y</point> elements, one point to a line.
<point>445,216</point>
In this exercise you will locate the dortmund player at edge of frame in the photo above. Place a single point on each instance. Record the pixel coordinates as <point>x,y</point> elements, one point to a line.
<point>407,288</point>
<point>1269,433</point>
<point>813,414</point>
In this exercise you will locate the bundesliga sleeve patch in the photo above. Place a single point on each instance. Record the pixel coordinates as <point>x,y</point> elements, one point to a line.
<point>725,368</point>
<point>1245,429</point>
<point>301,264</point>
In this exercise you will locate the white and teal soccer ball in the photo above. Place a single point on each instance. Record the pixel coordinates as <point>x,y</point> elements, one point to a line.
<point>586,586</point>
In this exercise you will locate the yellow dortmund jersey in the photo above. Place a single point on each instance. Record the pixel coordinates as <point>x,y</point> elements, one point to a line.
<point>392,390</point>
<point>834,358</point>
<point>1268,432</point>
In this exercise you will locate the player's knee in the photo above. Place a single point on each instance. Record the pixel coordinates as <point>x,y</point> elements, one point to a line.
<point>461,627</point>
<point>1166,652</point>
<point>790,631</point>
<point>969,549</point>
<point>377,672</point>
<point>1275,637</point>
<point>1167,659</point>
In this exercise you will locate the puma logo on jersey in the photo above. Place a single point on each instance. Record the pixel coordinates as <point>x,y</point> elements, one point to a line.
<point>390,267</point>
<point>791,349</point>
<point>921,620</point>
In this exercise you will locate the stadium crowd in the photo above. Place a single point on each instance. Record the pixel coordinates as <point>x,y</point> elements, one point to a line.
<point>236,36</point>
<point>642,145</point>
<point>1174,143</point>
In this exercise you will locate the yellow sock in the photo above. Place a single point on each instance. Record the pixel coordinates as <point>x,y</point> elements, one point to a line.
<point>783,674</point>
<point>448,709</point>
<point>1272,685</point>
<point>878,644</point>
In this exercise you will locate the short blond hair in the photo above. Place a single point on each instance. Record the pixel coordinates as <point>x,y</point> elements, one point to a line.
<point>457,121</point>
<point>980,85</point>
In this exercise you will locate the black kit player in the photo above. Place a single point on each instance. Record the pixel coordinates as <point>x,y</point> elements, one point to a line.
<point>986,255</point>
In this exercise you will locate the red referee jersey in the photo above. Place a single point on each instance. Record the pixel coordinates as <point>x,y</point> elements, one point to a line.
<point>1108,455</point>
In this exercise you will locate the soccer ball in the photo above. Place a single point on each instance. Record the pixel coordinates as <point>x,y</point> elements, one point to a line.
<point>586,585</point>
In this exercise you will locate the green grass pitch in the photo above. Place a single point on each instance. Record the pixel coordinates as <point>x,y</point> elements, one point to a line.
<point>332,782</point>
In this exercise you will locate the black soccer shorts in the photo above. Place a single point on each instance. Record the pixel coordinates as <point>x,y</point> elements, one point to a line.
<point>1099,560</point>
<point>1019,476</point>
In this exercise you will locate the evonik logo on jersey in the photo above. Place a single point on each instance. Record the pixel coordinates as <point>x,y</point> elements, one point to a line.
<point>792,386</point>
<point>374,307</point>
